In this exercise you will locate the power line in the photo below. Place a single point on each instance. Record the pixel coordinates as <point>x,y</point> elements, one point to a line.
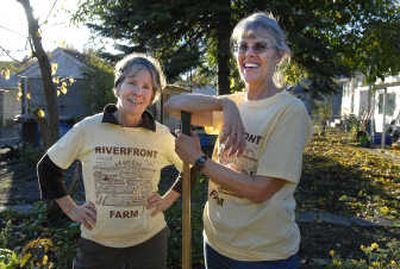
<point>7,52</point>
<point>12,31</point>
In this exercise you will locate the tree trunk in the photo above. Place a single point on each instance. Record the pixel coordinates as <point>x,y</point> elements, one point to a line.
<point>35,39</point>
<point>223,32</point>
<point>49,124</point>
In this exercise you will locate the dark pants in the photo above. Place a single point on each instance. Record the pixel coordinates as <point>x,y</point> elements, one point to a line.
<point>215,260</point>
<point>151,254</point>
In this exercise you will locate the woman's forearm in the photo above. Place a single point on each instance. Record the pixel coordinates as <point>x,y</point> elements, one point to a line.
<point>201,108</point>
<point>67,204</point>
<point>171,196</point>
<point>254,188</point>
<point>193,103</point>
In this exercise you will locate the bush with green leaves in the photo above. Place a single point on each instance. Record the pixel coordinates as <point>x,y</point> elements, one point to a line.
<point>8,259</point>
<point>31,242</point>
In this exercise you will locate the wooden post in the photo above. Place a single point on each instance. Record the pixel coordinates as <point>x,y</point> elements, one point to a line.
<point>186,202</point>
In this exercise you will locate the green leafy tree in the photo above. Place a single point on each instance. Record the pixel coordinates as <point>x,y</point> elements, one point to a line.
<point>328,38</point>
<point>178,32</point>
<point>101,82</point>
<point>333,38</point>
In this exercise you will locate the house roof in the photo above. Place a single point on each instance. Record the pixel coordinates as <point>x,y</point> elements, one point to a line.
<point>69,64</point>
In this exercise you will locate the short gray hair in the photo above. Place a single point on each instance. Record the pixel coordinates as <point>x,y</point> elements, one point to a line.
<point>132,63</point>
<point>261,21</point>
<point>251,25</point>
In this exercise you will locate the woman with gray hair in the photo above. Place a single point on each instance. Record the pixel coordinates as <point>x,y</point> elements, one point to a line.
<point>122,151</point>
<point>249,219</point>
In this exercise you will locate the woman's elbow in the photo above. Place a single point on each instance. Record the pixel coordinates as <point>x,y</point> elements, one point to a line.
<point>172,109</point>
<point>168,106</point>
<point>267,189</point>
<point>262,195</point>
<point>175,101</point>
<point>259,198</point>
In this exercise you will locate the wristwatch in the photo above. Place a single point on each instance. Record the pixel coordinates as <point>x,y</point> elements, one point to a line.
<point>200,162</point>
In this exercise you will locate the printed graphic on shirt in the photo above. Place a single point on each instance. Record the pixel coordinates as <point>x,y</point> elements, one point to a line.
<point>123,214</point>
<point>123,177</point>
<point>252,138</point>
<point>126,151</point>
<point>247,164</point>
<point>215,196</point>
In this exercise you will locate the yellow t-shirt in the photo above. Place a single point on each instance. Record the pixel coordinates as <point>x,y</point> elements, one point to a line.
<point>277,129</point>
<point>121,167</point>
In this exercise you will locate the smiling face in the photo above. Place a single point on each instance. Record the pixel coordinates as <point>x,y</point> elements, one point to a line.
<point>257,56</point>
<point>135,93</point>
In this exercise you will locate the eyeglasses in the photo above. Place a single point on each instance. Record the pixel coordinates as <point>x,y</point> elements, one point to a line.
<point>258,47</point>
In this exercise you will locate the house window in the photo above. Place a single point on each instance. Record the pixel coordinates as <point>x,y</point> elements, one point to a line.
<point>390,104</point>
<point>363,103</point>
<point>352,103</point>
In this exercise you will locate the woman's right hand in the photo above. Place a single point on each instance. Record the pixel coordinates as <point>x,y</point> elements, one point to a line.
<point>85,214</point>
<point>233,132</point>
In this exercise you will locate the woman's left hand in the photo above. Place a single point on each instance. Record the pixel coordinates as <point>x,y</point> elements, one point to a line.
<point>159,203</point>
<point>233,132</point>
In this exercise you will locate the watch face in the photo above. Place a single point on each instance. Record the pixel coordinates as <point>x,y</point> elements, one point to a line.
<point>201,161</point>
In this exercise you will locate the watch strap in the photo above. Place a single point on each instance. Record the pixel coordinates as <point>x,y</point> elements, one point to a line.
<point>200,162</point>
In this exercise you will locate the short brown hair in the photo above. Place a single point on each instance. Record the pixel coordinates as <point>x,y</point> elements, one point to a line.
<point>135,62</point>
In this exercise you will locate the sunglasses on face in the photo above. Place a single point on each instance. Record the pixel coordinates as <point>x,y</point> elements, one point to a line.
<point>258,47</point>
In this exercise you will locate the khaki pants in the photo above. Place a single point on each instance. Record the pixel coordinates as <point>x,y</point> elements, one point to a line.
<point>151,254</point>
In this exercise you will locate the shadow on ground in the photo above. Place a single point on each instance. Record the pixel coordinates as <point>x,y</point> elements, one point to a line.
<point>356,186</point>
<point>19,183</point>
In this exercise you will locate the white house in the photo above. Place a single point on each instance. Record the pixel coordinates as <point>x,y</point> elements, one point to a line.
<point>358,97</point>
